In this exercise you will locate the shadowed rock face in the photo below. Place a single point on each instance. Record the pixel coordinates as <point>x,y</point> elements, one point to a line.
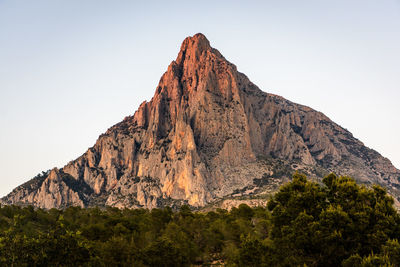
<point>208,132</point>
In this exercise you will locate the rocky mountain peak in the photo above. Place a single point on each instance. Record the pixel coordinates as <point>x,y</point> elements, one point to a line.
<point>207,134</point>
<point>193,47</point>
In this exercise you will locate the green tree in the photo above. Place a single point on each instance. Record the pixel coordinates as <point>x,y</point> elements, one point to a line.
<point>164,252</point>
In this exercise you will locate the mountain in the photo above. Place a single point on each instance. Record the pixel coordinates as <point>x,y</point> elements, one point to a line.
<point>207,134</point>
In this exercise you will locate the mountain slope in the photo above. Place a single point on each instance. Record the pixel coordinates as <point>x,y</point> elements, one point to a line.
<point>207,133</point>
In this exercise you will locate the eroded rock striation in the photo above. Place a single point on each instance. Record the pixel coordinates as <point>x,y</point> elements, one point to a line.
<point>207,133</point>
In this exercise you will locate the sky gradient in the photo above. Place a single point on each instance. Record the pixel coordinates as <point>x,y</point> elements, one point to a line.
<point>71,69</point>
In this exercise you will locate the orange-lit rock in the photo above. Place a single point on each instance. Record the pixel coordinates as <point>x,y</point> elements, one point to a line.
<point>206,133</point>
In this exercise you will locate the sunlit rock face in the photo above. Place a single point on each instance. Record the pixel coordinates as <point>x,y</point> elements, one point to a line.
<point>207,133</point>
<point>54,190</point>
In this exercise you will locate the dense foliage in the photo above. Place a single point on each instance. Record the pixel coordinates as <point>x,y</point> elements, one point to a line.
<point>305,223</point>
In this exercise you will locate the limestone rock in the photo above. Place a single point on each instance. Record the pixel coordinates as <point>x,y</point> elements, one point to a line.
<point>53,190</point>
<point>207,133</point>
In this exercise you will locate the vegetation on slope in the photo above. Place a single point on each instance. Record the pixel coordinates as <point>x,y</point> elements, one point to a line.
<point>305,223</point>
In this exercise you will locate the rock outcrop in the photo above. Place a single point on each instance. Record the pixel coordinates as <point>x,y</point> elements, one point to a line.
<point>207,133</point>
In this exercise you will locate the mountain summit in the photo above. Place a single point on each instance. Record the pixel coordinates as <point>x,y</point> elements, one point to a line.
<point>208,133</point>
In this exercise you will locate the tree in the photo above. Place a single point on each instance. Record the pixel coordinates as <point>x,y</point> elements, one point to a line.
<point>326,225</point>
<point>164,252</point>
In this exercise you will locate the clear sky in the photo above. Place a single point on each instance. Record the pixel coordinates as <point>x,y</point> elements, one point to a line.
<point>71,69</point>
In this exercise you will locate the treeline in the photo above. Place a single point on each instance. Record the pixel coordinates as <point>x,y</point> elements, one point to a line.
<point>338,223</point>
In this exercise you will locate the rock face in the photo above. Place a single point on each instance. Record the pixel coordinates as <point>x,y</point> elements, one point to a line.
<point>207,133</point>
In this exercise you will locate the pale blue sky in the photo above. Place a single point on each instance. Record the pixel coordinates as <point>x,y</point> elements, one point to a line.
<point>71,69</point>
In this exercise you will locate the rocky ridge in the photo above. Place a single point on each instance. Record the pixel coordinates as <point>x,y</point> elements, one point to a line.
<point>207,134</point>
